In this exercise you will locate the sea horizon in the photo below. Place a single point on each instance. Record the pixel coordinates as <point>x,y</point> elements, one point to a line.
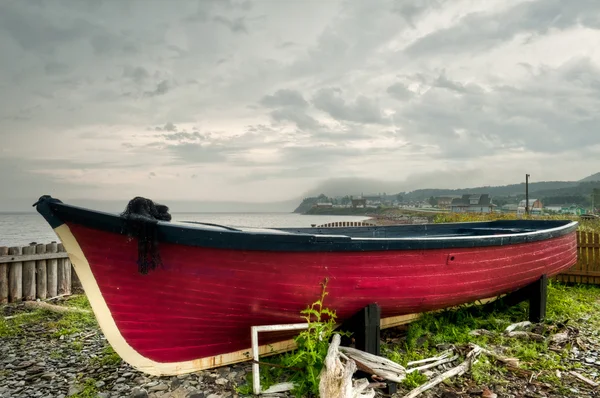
<point>23,228</point>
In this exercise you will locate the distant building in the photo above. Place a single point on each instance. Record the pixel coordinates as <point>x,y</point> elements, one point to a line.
<point>510,208</point>
<point>444,202</point>
<point>476,203</point>
<point>535,206</point>
<point>324,205</point>
<point>359,202</point>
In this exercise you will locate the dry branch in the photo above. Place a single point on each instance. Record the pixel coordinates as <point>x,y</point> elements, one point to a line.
<point>379,366</point>
<point>336,377</point>
<point>518,325</point>
<point>526,335</point>
<point>481,332</point>
<point>456,371</point>
<point>514,362</point>
<point>433,365</point>
<point>584,379</point>
<point>443,355</point>
<point>52,307</point>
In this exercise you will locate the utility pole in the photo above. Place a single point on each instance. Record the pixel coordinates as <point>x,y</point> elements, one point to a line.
<point>527,194</point>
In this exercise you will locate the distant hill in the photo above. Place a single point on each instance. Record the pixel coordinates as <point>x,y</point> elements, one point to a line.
<point>593,177</point>
<point>550,192</point>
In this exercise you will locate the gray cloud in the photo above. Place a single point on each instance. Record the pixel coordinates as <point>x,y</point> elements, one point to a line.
<point>362,109</point>
<point>267,99</point>
<point>474,33</point>
<point>284,97</point>
<point>399,91</point>
<point>237,25</point>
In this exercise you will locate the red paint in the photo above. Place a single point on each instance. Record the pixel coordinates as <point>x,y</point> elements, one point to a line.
<point>204,301</point>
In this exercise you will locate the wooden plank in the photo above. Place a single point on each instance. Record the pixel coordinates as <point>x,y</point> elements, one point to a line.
<point>596,263</point>
<point>32,257</point>
<point>582,273</point>
<point>15,277</point>
<point>29,275</point>
<point>52,270</point>
<point>3,277</point>
<point>41,280</point>
<point>64,273</point>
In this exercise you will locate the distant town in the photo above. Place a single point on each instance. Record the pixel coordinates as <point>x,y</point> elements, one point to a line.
<point>572,198</point>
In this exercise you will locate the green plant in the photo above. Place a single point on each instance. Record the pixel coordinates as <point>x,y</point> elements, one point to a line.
<point>303,365</point>
<point>414,380</point>
<point>312,346</point>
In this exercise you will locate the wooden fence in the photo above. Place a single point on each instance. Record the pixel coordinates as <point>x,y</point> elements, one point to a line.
<point>587,269</point>
<point>40,271</point>
<point>37,271</point>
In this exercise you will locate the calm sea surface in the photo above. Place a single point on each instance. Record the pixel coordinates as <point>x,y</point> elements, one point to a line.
<point>20,229</point>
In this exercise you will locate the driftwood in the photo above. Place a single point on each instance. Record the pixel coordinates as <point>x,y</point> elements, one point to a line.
<point>560,338</point>
<point>481,332</point>
<point>336,377</point>
<point>526,335</point>
<point>52,307</point>
<point>584,379</point>
<point>376,365</point>
<point>443,355</point>
<point>433,365</point>
<point>518,325</point>
<point>514,362</point>
<point>457,371</point>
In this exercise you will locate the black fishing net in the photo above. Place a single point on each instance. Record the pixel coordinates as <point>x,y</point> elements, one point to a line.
<point>141,217</point>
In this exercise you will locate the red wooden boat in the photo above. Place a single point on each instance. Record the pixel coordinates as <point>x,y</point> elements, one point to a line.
<point>175,297</point>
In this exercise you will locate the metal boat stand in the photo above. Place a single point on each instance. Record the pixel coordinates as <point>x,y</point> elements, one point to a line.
<point>365,326</point>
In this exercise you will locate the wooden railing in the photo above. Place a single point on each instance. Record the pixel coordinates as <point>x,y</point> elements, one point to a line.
<point>40,271</point>
<point>37,271</point>
<point>587,269</point>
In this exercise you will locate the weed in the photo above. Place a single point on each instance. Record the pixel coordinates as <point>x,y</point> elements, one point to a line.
<point>307,359</point>
<point>453,326</point>
<point>18,325</point>
<point>414,379</point>
<point>108,358</point>
<point>88,389</point>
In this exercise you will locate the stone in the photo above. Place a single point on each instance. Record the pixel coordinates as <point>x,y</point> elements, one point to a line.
<point>221,381</point>
<point>48,376</point>
<point>138,392</point>
<point>175,384</point>
<point>75,389</point>
<point>121,380</point>
<point>197,394</point>
<point>100,384</point>
<point>159,387</point>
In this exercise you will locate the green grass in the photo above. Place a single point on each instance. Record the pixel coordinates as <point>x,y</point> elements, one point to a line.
<point>108,358</point>
<point>453,326</point>
<point>88,389</point>
<point>56,324</point>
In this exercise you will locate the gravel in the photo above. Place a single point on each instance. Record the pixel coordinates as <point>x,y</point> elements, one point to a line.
<point>38,365</point>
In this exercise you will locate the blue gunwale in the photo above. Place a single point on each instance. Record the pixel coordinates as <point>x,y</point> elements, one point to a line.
<point>367,238</point>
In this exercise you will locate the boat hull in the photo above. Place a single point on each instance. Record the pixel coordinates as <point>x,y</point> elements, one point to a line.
<point>196,311</point>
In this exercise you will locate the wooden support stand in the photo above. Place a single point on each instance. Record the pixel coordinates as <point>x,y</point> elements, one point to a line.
<point>365,327</point>
<point>536,293</point>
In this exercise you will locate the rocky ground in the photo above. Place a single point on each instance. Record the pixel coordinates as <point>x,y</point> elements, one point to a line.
<point>47,354</point>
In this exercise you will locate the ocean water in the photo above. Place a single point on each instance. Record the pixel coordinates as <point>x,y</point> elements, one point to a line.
<point>20,229</point>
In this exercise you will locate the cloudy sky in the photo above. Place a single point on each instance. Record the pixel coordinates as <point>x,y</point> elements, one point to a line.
<point>264,100</point>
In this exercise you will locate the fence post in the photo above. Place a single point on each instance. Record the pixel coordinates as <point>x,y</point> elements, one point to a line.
<point>52,270</point>
<point>15,276</point>
<point>64,273</point>
<point>3,277</point>
<point>29,274</point>
<point>41,281</point>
